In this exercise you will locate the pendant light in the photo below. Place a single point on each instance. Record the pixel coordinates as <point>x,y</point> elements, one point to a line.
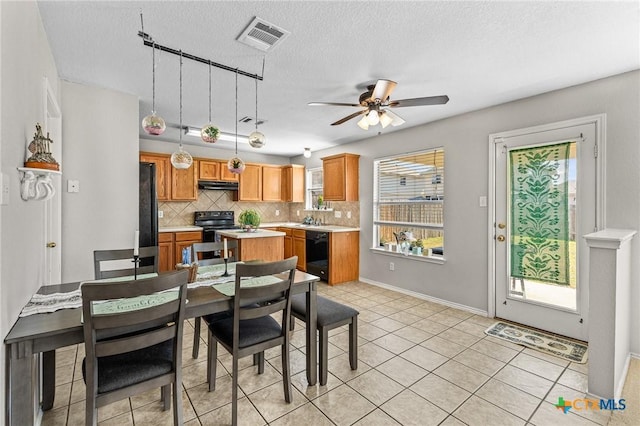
<point>181,159</point>
<point>153,124</point>
<point>257,139</point>
<point>210,133</point>
<point>236,165</point>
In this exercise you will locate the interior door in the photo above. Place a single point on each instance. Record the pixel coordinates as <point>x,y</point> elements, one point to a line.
<point>52,214</point>
<point>545,197</point>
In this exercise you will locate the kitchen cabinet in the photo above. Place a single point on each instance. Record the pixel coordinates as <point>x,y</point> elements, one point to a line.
<point>250,186</point>
<point>170,245</point>
<point>288,242</point>
<point>165,251</point>
<point>340,177</point>
<point>173,184</point>
<point>225,174</point>
<point>293,183</point>
<point>163,173</point>
<point>344,256</point>
<point>208,170</point>
<point>271,183</point>
<point>299,248</point>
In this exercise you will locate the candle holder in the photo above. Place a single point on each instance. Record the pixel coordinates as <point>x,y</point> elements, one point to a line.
<point>136,262</point>
<point>226,273</point>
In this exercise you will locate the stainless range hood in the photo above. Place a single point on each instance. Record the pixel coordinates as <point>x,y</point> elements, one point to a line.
<point>218,185</point>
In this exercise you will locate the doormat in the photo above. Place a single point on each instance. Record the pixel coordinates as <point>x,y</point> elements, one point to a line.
<point>543,342</point>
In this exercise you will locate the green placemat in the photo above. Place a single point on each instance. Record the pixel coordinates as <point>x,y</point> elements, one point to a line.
<point>229,288</point>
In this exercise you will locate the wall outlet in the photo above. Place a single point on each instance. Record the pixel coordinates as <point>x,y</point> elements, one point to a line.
<point>348,215</point>
<point>297,212</point>
<point>337,214</point>
<point>392,266</point>
<point>277,212</point>
<point>160,214</point>
<point>73,185</point>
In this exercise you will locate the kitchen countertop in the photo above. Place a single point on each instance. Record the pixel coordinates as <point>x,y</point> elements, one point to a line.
<point>180,229</point>
<point>241,234</point>
<point>321,228</point>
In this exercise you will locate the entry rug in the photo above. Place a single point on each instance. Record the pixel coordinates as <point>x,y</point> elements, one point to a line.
<point>543,342</point>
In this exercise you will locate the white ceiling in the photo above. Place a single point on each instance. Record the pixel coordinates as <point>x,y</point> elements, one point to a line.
<point>479,53</point>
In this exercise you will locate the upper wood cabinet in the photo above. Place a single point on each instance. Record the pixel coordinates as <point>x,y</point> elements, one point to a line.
<point>271,183</point>
<point>250,187</point>
<point>163,173</point>
<point>340,177</point>
<point>293,183</point>
<point>209,170</point>
<point>225,174</point>
<point>173,184</point>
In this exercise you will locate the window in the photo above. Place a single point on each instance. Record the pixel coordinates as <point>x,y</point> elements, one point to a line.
<point>409,202</point>
<point>314,187</point>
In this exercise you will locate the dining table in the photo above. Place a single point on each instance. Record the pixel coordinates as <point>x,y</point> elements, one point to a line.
<point>43,333</point>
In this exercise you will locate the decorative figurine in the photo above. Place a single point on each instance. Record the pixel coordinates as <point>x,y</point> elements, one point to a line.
<point>40,149</point>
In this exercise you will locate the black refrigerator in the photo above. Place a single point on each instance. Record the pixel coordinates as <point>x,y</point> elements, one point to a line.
<point>148,223</point>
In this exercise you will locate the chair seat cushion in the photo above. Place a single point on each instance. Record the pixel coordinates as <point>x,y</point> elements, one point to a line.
<point>329,312</point>
<point>122,370</point>
<point>252,331</point>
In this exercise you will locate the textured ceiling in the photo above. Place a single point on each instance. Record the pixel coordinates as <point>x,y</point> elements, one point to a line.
<point>478,53</point>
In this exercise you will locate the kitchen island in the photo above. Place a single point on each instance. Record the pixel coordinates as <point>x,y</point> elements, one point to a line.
<point>259,245</point>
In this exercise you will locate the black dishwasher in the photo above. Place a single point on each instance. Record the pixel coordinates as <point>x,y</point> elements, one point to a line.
<point>318,254</point>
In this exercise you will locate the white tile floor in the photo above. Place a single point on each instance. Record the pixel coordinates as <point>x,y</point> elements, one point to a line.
<point>420,363</point>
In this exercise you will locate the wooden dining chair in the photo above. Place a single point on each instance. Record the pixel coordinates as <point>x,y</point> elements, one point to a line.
<point>251,330</point>
<point>117,259</point>
<point>202,253</point>
<point>130,350</point>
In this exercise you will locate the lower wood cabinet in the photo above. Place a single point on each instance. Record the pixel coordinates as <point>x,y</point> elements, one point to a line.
<point>344,256</point>
<point>288,242</point>
<point>170,245</point>
<point>299,241</point>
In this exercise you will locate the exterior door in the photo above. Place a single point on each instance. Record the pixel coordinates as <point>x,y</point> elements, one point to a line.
<point>52,214</point>
<point>545,201</point>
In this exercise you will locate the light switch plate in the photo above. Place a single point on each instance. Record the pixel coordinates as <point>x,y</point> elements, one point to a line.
<point>73,185</point>
<point>483,201</point>
<point>337,214</point>
<point>277,212</point>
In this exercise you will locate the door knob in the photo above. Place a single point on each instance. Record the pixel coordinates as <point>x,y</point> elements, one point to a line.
<point>502,225</point>
<point>500,238</point>
<point>51,244</point>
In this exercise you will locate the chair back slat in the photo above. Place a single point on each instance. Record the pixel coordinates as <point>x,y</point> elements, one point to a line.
<point>152,315</point>
<point>148,262</point>
<point>135,342</point>
<point>263,310</point>
<point>199,249</point>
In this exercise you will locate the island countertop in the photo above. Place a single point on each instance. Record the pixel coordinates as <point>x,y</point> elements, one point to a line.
<point>240,234</point>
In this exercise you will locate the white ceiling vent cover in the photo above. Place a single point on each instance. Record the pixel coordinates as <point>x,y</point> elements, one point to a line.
<point>262,35</point>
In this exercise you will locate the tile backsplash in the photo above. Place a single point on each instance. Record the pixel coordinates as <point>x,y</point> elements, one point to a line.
<point>180,213</point>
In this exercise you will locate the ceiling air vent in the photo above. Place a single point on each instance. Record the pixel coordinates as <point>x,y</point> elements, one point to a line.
<point>247,119</point>
<point>262,35</point>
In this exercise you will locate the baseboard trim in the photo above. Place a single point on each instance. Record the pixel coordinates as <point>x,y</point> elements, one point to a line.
<point>422,296</point>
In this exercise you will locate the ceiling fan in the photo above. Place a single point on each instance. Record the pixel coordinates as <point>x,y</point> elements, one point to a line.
<point>376,103</point>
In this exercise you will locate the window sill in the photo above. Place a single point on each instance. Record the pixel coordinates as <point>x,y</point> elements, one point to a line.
<point>317,210</point>
<point>429,259</point>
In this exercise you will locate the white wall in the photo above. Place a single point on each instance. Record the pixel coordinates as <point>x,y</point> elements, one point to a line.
<point>25,59</point>
<point>463,278</point>
<point>100,129</point>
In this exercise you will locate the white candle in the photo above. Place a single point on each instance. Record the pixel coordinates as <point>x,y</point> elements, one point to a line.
<point>136,244</point>
<point>226,255</point>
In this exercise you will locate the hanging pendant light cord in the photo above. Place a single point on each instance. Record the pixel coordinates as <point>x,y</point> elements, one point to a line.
<point>181,100</point>
<point>256,105</point>
<point>153,85</point>
<point>236,111</point>
<point>209,92</point>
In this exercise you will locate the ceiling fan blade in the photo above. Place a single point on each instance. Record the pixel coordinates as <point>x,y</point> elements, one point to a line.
<point>397,120</point>
<point>429,100</point>
<point>349,117</point>
<point>332,104</point>
<point>382,90</point>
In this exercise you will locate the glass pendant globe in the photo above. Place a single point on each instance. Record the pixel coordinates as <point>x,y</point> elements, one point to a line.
<point>153,124</point>
<point>210,133</point>
<point>236,165</point>
<point>181,159</point>
<point>257,139</point>
<point>373,118</point>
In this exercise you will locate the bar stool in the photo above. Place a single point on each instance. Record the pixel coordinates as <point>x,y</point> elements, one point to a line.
<point>330,315</point>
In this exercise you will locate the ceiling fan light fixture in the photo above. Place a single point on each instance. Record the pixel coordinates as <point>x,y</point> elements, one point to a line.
<point>363,123</point>
<point>307,153</point>
<point>385,119</point>
<point>373,118</point>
